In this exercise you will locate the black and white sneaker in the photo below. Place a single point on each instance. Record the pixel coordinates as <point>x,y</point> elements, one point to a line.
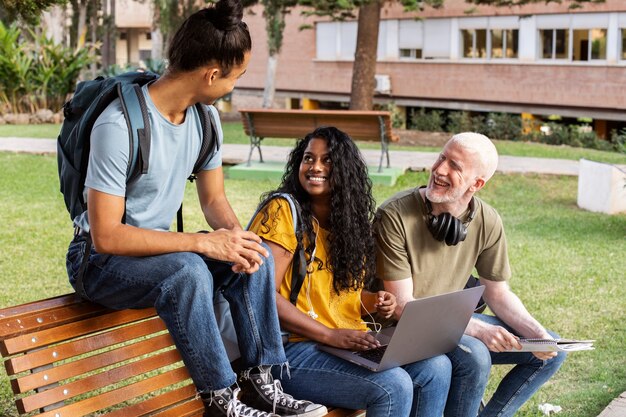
<point>226,403</point>
<point>262,391</point>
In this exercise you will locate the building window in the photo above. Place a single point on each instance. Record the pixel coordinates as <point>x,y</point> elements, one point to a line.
<point>145,54</point>
<point>589,44</point>
<point>624,44</point>
<point>410,39</point>
<point>554,43</point>
<point>598,43</point>
<point>410,53</point>
<point>335,40</point>
<point>474,43</point>
<point>504,43</point>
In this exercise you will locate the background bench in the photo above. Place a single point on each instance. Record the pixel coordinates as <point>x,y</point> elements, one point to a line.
<point>68,357</point>
<point>360,125</point>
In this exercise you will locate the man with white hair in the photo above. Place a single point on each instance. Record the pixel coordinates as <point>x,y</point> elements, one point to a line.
<point>429,240</point>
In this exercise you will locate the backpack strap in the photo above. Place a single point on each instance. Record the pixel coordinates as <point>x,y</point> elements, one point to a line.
<point>135,110</point>
<point>210,142</point>
<point>298,270</point>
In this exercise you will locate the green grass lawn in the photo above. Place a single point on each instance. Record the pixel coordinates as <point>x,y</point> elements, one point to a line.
<point>233,133</point>
<point>568,265</point>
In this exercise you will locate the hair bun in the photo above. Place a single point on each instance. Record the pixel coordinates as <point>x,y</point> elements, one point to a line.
<point>228,14</point>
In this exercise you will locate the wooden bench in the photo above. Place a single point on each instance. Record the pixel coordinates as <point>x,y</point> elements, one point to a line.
<point>69,357</point>
<point>360,125</point>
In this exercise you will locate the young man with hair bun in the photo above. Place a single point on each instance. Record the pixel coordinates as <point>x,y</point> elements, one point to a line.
<point>136,262</point>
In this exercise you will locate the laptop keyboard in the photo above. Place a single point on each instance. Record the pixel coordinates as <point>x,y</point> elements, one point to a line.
<point>374,355</point>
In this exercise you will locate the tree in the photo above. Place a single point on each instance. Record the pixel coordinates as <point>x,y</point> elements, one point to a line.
<point>169,15</point>
<point>274,12</point>
<point>364,69</point>
<point>27,10</point>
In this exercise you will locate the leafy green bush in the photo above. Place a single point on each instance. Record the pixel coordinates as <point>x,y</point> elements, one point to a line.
<point>581,137</point>
<point>426,121</point>
<point>463,121</point>
<point>618,140</point>
<point>503,126</point>
<point>154,65</point>
<point>36,73</point>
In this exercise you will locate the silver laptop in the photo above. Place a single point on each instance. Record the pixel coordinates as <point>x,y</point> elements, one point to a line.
<point>428,327</point>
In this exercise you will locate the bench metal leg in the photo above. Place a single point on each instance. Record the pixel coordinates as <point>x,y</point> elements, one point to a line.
<point>255,143</point>
<point>384,145</point>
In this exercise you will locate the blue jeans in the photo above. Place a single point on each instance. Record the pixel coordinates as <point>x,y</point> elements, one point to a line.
<point>471,364</point>
<point>181,286</point>
<point>417,389</point>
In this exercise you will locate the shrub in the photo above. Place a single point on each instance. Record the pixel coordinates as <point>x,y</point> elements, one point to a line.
<point>38,74</point>
<point>397,117</point>
<point>463,121</point>
<point>618,140</point>
<point>154,65</point>
<point>503,126</point>
<point>426,121</point>
<point>582,137</point>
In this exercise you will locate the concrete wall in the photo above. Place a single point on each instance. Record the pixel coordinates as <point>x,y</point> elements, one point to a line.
<point>601,187</point>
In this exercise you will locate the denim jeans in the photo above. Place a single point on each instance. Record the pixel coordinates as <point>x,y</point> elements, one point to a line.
<point>181,286</point>
<point>471,364</point>
<point>417,389</point>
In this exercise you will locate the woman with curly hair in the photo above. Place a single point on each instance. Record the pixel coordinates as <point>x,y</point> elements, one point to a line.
<point>328,180</point>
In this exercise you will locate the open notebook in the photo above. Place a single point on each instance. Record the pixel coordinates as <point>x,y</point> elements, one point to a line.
<point>554,345</point>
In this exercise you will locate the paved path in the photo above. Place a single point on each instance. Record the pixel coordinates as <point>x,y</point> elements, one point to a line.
<point>416,161</point>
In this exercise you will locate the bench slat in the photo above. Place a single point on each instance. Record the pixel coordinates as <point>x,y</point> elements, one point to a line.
<point>91,363</point>
<point>285,125</point>
<point>40,305</point>
<point>46,337</point>
<point>153,404</point>
<point>47,318</point>
<point>120,395</point>
<point>82,346</point>
<point>188,409</point>
<point>97,381</point>
<point>342,412</point>
<point>125,343</point>
<point>359,125</point>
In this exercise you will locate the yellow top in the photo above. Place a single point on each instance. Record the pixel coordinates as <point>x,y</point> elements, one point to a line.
<point>336,311</point>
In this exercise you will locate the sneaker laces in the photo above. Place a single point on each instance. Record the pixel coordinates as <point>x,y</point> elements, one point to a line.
<point>276,393</point>
<point>236,408</point>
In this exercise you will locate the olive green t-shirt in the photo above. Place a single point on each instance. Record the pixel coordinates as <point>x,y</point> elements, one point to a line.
<point>406,248</point>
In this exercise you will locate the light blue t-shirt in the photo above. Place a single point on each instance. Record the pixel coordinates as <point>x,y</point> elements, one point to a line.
<point>152,199</point>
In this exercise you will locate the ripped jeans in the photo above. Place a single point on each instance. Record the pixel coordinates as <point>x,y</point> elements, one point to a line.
<point>471,365</point>
<point>181,286</point>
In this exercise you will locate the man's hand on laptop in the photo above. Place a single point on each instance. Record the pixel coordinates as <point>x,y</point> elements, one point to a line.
<point>351,339</point>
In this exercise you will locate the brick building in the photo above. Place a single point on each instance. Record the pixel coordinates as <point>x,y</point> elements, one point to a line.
<point>536,60</point>
<point>533,60</point>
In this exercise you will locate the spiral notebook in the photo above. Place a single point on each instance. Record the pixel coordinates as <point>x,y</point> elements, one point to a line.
<point>554,345</point>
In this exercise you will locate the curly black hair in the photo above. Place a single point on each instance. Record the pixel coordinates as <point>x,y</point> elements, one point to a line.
<point>351,255</point>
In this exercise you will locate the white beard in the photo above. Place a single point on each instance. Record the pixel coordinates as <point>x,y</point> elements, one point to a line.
<point>450,196</point>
